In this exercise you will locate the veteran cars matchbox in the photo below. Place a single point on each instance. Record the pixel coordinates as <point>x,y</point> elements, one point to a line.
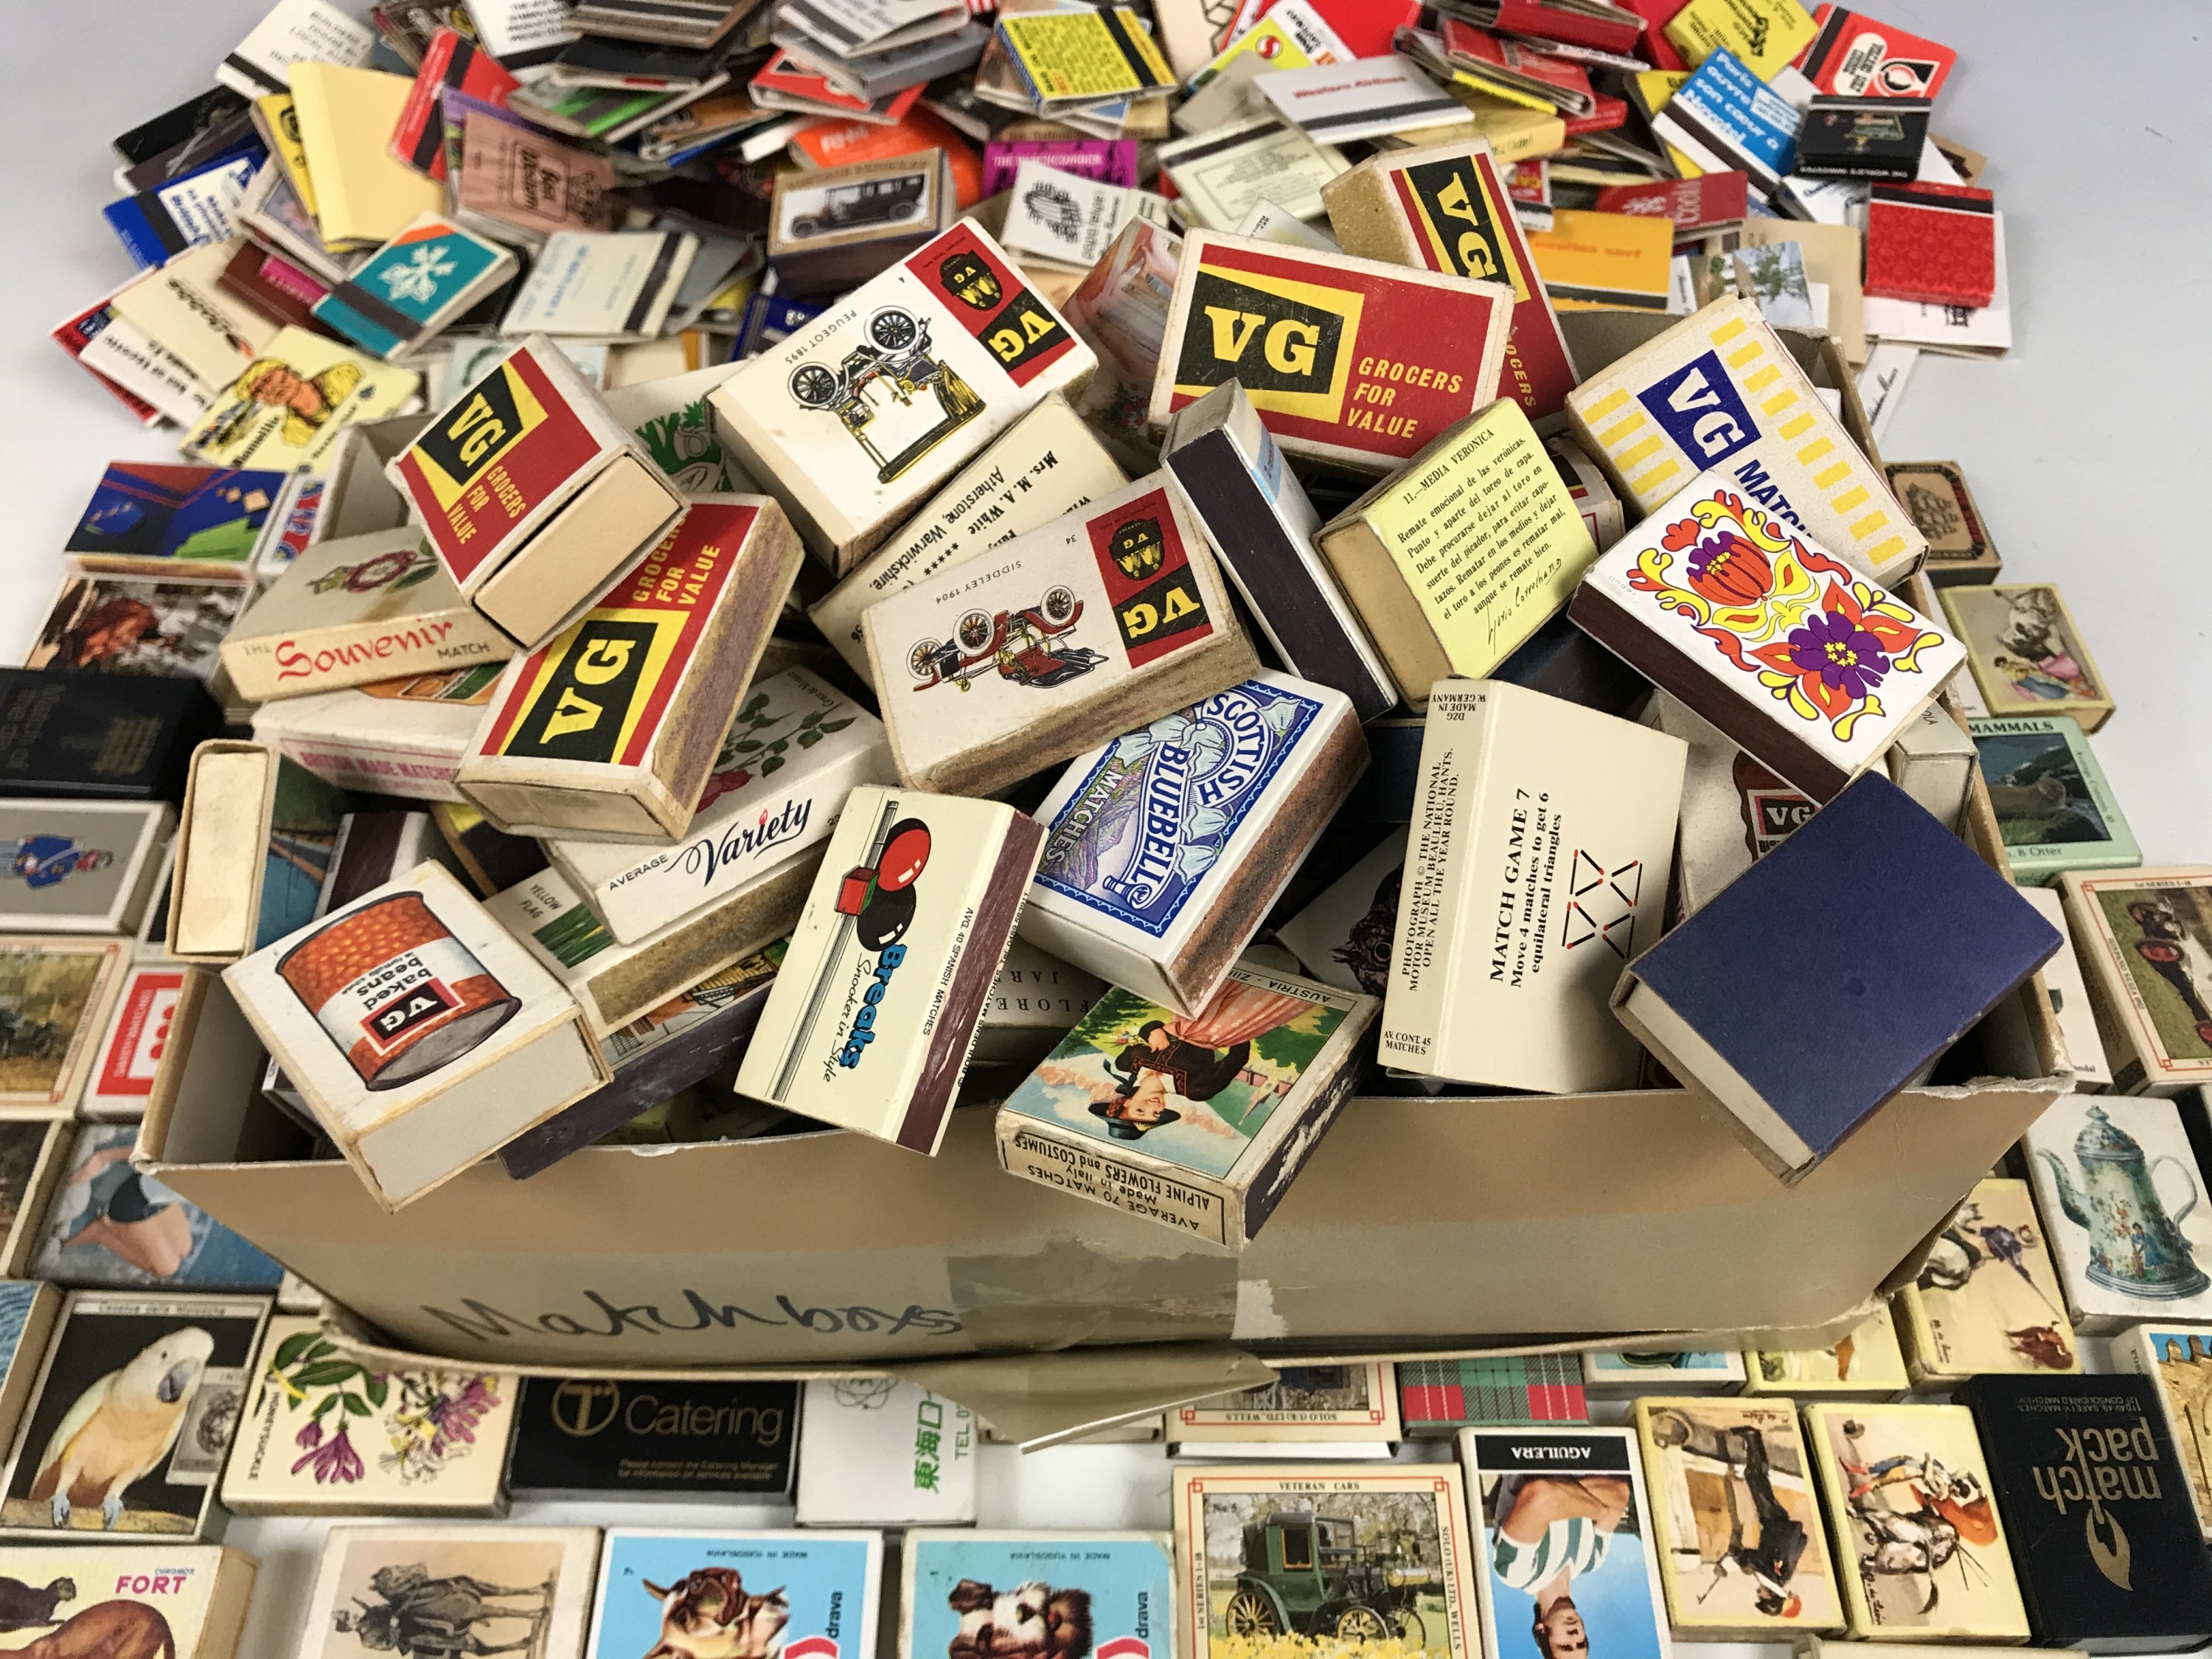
<point>55,990</point>
<point>2144,938</point>
<point>795,749</point>
<point>1200,1123</point>
<point>396,736</point>
<point>1784,646</point>
<point>860,417</point>
<point>1164,847</point>
<point>419,1032</point>
<point>1351,362</point>
<point>1328,1412</point>
<point>1719,393</point>
<point>611,727</point>
<point>354,610</point>
<point>596,1437</point>
<point>533,496</point>
<point>834,229</point>
<point>1106,617</point>
<point>192,1600</point>
<point>873,1013</point>
<point>817,1589</point>
<point>70,866</point>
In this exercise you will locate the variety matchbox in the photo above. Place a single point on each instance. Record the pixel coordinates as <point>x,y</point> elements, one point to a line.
<point>612,728</point>
<point>1684,404</point>
<point>532,496</point>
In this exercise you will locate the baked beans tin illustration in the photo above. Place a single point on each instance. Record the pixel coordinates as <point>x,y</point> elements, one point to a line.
<point>420,1034</point>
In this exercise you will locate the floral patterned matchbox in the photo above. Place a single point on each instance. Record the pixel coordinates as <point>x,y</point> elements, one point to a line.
<point>320,1435</point>
<point>1795,656</point>
<point>871,1018</point>
<point>854,420</point>
<point>1102,620</point>
<point>1164,847</point>
<point>1200,1123</point>
<point>759,1594</point>
<point>612,728</point>
<point>420,1034</point>
<point>966,1594</point>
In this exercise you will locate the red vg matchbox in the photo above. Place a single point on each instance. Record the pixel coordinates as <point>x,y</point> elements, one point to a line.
<point>1934,243</point>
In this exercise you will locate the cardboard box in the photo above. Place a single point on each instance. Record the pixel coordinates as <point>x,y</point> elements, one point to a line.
<point>403,737</point>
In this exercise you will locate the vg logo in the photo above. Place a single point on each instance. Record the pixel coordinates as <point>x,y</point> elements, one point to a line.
<point>1698,407</point>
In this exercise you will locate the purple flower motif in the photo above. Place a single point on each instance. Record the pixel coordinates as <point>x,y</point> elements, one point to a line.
<point>335,1459</point>
<point>1846,656</point>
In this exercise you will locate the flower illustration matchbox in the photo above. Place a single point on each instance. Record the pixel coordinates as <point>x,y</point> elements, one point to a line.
<point>765,1594</point>
<point>871,1018</point>
<point>323,1435</point>
<point>857,419</point>
<point>1200,1123</point>
<point>190,1605</point>
<point>420,1034</point>
<point>964,1594</point>
<point>1793,654</point>
<point>1164,847</point>
<point>610,729</point>
<point>424,279</point>
<point>534,497</point>
<point>1351,362</point>
<point>349,612</point>
<point>1683,405</point>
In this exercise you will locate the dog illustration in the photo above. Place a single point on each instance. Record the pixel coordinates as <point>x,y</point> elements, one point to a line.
<point>707,1614</point>
<point>1029,1621</point>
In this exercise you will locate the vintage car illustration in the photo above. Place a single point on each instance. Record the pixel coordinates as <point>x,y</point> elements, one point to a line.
<point>1029,647</point>
<point>879,386</point>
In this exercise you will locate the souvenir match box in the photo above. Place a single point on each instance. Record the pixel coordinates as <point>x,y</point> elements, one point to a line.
<point>611,727</point>
<point>2054,808</point>
<point>1902,1483</point>
<point>848,1035</point>
<point>1682,404</point>
<point>361,608</point>
<point>1562,1531</point>
<point>322,1434</point>
<point>1437,1398</point>
<point>2177,1359</point>
<point>816,1590</point>
<point>1935,497</point>
<point>1242,1535</point>
<point>834,229</point>
<point>533,496</point>
<point>1790,651</point>
<point>596,1437</point>
<point>1352,361</point>
<point>396,737</point>
<point>2144,939</point>
<point>1867,1364</point>
<point>1103,619</point>
<point>428,276</point>
<point>85,735</point>
<point>55,994</point>
<point>215,882</point>
<point>1536,870</point>
<point>1231,474</point>
<point>192,1604</point>
<point>1048,462</point>
<point>1693,1371</point>
<point>794,749</point>
<point>2068,995</point>
<point>2077,1465</point>
<point>1987,1298</point>
<point>2026,654</point>
<point>70,866</point>
<point>857,419</point>
<point>34,1148</point>
<point>131,1417</point>
<point>1164,848</point>
<point>27,1312</point>
<point>1321,1412</point>
<point>1456,561</point>
<point>879,1451</point>
<point>959,1589</point>
<point>130,1055</point>
<point>1828,1039</point>
<point>283,410</point>
<point>500,1584</point>
<point>1200,1123</point>
<point>420,1034</point>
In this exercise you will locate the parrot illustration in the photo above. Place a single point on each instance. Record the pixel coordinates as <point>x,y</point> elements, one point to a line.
<point>121,1427</point>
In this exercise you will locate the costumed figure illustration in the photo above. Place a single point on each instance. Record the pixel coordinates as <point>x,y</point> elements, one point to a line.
<point>419,1617</point>
<point>1910,1515</point>
<point>44,860</point>
<point>1190,1058</point>
<point>308,400</point>
<point>2031,1324</point>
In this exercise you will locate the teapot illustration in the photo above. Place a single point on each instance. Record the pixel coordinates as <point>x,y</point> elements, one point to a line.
<point>2135,1246</point>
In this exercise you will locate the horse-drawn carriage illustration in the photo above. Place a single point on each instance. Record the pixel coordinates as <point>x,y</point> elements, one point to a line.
<point>1029,647</point>
<point>879,386</point>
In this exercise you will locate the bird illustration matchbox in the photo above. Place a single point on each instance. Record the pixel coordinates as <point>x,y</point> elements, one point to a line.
<point>2144,938</point>
<point>611,727</point>
<point>64,1599</point>
<point>871,1018</point>
<point>796,748</point>
<point>533,495</point>
<point>484,1588</point>
<point>809,1595</point>
<point>420,1034</point>
<point>68,867</point>
<point>860,417</point>
<point>1319,1410</point>
<point>1543,836</point>
<point>131,1417</point>
<point>2177,1361</point>
<point>1371,1561</point>
<point>1352,361</point>
<point>1681,405</point>
<point>1164,847</point>
<point>1200,1123</point>
<point>1564,1531</point>
<point>1987,1298</point>
<point>321,1434</point>
<point>965,1594</point>
<point>353,611</point>
<point>2123,1205</point>
<point>1102,620</point>
<point>1792,654</point>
